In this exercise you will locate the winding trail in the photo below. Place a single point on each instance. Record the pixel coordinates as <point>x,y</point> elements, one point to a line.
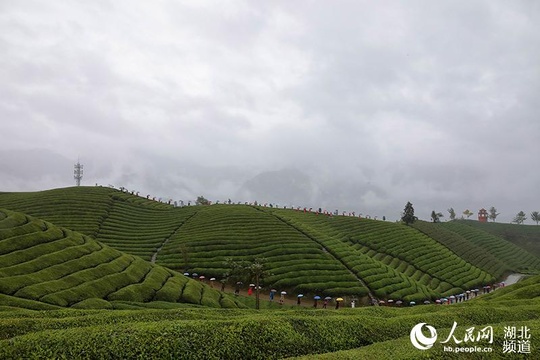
<point>512,279</point>
<point>154,256</point>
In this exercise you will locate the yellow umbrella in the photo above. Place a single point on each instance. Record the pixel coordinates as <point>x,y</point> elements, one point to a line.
<point>339,299</point>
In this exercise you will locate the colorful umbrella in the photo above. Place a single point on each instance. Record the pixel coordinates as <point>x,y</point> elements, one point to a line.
<point>339,299</point>
<point>316,297</point>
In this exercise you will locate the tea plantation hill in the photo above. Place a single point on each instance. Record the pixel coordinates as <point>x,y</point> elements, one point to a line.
<point>43,266</point>
<point>305,252</point>
<point>525,236</point>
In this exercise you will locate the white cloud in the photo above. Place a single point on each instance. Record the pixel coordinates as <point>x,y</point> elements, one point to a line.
<point>377,103</point>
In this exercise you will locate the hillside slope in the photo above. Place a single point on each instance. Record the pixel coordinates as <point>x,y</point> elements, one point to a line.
<point>524,236</point>
<point>304,252</point>
<point>45,263</point>
<point>515,257</point>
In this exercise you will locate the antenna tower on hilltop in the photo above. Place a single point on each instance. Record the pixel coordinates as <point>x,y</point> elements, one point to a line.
<point>78,173</point>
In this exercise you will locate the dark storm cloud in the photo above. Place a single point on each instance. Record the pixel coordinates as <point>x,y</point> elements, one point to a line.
<point>357,106</point>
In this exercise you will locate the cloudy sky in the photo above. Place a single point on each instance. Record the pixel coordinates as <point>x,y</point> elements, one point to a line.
<point>350,105</point>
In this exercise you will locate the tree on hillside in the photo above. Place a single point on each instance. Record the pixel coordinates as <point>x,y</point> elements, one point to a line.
<point>535,216</point>
<point>247,271</point>
<point>408,214</point>
<point>452,214</point>
<point>467,213</point>
<point>202,201</point>
<point>493,213</point>
<point>436,216</point>
<point>520,218</point>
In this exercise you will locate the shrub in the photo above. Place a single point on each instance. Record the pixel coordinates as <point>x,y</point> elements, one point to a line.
<point>93,303</point>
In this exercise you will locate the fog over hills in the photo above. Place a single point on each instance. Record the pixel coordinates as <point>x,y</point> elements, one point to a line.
<point>362,106</point>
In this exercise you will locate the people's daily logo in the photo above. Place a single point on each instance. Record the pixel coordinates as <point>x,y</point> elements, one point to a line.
<point>472,339</point>
<point>421,341</point>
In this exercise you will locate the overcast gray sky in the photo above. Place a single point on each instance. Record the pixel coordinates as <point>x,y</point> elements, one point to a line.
<point>351,105</point>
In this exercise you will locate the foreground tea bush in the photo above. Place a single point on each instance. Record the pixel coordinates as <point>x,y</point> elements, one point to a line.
<point>402,349</point>
<point>227,334</point>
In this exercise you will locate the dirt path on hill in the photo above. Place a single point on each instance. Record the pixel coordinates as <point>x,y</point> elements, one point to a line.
<point>154,256</point>
<point>265,296</point>
<point>512,279</point>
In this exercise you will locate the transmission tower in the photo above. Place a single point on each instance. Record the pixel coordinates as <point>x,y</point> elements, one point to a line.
<point>78,173</point>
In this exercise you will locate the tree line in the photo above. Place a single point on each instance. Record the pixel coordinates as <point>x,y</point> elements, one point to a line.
<point>408,215</point>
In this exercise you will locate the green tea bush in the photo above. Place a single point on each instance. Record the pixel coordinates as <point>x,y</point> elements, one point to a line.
<point>49,262</point>
<point>16,302</point>
<point>19,256</point>
<point>192,292</point>
<point>172,289</point>
<point>43,288</point>
<point>210,297</point>
<point>30,227</point>
<point>144,291</point>
<point>93,303</point>
<point>29,239</point>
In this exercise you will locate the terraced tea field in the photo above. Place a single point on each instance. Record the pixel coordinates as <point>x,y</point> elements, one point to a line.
<point>515,257</point>
<point>524,236</point>
<point>48,264</point>
<point>304,252</point>
<point>395,261</point>
<point>85,271</point>
<point>240,232</point>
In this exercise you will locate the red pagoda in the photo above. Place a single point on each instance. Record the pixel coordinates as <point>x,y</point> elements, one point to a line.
<point>482,215</point>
